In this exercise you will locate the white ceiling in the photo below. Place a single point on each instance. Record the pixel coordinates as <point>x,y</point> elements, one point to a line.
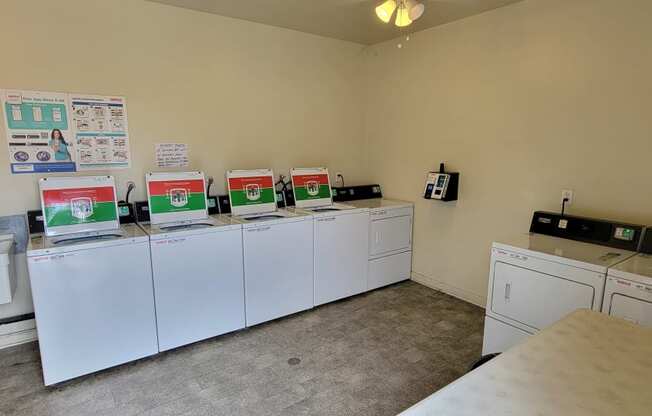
<point>352,20</point>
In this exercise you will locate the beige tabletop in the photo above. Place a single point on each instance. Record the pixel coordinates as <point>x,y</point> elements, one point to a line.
<point>586,364</point>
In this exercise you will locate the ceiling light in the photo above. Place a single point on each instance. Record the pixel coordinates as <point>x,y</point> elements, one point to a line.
<point>407,11</point>
<point>415,9</point>
<point>385,10</point>
<point>402,18</point>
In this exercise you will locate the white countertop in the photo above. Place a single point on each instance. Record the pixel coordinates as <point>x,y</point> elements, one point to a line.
<point>379,203</point>
<point>637,269</point>
<point>587,364</point>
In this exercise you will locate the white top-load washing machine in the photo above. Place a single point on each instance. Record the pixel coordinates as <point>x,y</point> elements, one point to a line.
<point>196,262</point>
<point>628,293</point>
<point>390,233</point>
<point>278,248</point>
<point>341,242</point>
<point>538,278</point>
<point>91,281</point>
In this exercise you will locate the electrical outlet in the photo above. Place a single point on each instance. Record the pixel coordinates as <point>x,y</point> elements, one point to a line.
<point>567,194</point>
<point>338,178</point>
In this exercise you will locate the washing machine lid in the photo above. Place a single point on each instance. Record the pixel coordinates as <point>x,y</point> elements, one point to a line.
<point>381,203</point>
<point>311,187</point>
<point>251,192</point>
<point>189,228</point>
<point>176,197</point>
<point>331,210</point>
<point>277,217</point>
<point>590,256</point>
<point>637,269</point>
<point>126,234</point>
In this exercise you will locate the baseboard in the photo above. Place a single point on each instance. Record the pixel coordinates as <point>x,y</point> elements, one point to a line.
<point>454,291</point>
<point>17,333</point>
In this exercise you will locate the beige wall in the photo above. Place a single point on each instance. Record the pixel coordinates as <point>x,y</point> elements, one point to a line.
<point>524,101</point>
<point>243,95</point>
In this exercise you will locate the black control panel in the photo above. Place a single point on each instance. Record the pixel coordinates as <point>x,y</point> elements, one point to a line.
<point>589,230</point>
<point>646,244</point>
<point>352,193</point>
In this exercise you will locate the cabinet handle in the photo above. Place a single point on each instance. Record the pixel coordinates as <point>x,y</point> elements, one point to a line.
<point>253,230</point>
<point>508,291</point>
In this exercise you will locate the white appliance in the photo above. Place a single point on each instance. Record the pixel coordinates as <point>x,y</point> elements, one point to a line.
<point>341,242</point>
<point>93,300</point>
<point>628,293</point>
<point>277,249</point>
<point>535,280</point>
<point>7,268</point>
<point>196,262</point>
<point>390,240</point>
<point>198,280</point>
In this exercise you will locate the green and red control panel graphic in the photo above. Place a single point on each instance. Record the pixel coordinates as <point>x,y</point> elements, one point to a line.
<point>311,187</point>
<point>72,206</point>
<point>170,196</point>
<point>251,190</point>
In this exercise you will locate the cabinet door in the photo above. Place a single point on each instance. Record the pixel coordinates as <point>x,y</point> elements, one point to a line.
<point>536,299</point>
<point>94,309</point>
<point>278,261</point>
<point>199,287</point>
<point>341,256</point>
<point>391,234</point>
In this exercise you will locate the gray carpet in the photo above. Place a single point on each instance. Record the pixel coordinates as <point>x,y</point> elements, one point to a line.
<point>374,354</point>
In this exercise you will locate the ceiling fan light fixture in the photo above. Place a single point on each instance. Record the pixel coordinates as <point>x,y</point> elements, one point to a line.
<point>386,10</point>
<point>415,9</point>
<point>402,16</point>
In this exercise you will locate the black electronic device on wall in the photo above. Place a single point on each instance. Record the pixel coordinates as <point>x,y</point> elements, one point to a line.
<point>224,204</point>
<point>142,211</point>
<point>213,205</point>
<point>357,192</point>
<point>589,230</point>
<point>442,185</point>
<point>35,221</point>
<point>126,212</point>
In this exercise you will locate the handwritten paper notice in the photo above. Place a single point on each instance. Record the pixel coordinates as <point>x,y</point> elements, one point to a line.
<point>172,155</point>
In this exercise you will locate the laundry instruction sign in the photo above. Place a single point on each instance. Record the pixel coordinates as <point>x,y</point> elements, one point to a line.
<point>311,187</point>
<point>251,191</point>
<point>176,196</point>
<point>77,205</point>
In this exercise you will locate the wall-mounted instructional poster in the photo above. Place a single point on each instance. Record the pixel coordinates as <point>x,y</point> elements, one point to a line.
<point>311,186</point>
<point>176,196</point>
<point>38,131</point>
<point>78,204</point>
<point>251,191</point>
<point>101,131</point>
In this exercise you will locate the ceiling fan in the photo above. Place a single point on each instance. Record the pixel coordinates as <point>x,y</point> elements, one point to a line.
<point>407,11</point>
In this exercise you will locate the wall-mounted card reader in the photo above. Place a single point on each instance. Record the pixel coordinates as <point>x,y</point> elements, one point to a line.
<point>441,185</point>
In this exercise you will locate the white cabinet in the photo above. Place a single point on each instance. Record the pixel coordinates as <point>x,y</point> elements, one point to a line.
<point>525,295</point>
<point>199,286</point>
<point>341,255</point>
<point>278,266</point>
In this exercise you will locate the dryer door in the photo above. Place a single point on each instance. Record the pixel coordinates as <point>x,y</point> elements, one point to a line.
<point>634,310</point>
<point>534,298</point>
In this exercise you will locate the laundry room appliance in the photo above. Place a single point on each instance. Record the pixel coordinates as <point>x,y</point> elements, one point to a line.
<point>7,268</point>
<point>538,278</point>
<point>628,293</point>
<point>278,248</point>
<point>341,242</point>
<point>389,233</point>
<point>196,262</point>
<point>91,281</point>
